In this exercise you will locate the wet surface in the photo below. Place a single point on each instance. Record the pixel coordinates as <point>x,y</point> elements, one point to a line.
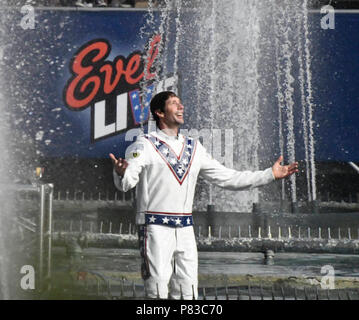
<point>115,274</point>
<point>226,263</point>
<point>287,264</point>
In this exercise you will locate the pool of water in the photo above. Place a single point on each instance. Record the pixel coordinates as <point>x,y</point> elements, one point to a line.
<point>226,263</point>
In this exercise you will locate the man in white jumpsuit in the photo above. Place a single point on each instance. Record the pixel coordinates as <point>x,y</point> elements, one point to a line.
<point>164,165</point>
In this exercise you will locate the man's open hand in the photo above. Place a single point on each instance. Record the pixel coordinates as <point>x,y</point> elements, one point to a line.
<point>119,164</point>
<point>281,172</point>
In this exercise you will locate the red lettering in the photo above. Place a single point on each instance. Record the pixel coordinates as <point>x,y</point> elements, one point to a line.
<point>152,56</point>
<point>81,72</point>
<point>89,64</point>
<point>132,67</point>
<point>107,68</point>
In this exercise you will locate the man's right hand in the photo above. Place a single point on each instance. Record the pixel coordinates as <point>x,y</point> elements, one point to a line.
<point>119,165</point>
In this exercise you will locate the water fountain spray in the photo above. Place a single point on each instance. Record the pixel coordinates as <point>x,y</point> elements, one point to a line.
<point>226,54</point>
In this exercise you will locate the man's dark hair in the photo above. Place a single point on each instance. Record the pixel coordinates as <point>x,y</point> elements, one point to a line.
<point>158,102</point>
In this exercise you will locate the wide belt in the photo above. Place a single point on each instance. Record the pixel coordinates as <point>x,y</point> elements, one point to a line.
<point>176,220</point>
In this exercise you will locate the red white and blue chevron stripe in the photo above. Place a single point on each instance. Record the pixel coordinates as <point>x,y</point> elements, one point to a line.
<point>179,165</point>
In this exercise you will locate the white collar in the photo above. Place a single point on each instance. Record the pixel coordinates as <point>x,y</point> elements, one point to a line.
<point>165,136</point>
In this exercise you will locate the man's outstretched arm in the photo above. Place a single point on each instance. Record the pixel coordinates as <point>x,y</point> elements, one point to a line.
<point>221,176</point>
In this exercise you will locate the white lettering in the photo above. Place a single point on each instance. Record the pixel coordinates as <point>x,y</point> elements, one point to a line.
<point>100,129</point>
<point>227,158</point>
<point>28,280</point>
<point>327,281</point>
<point>153,310</point>
<point>132,133</point>
<point>121,112</point>
<point>328,21</point>
<point>166,84</point>
<point>214,147</point>
<point>28,20</point>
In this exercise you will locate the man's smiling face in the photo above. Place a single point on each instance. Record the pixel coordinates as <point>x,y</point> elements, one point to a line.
<point>173,114</point>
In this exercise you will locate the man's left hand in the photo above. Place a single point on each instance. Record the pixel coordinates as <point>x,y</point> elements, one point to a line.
<point>281,172</point>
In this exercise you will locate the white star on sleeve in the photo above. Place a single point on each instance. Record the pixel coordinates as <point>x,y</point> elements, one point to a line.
<point>188,221</point>
<point>178,221</point>
<point>152,219</point>
<point>165,220</point>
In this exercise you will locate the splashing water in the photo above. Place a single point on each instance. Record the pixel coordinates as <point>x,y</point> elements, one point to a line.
<point>178,34</point>
<point>243,66</point>
<point>4,179</point>
<point>309,99</point>
<point>303,102</point>
<point>285,60</point>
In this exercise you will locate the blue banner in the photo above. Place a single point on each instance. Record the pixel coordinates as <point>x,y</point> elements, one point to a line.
<point>78,73</point>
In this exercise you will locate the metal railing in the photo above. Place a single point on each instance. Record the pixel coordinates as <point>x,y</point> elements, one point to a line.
<point>42,228</point>
<point>45,231</point>
<point>99,287</point>
<point>216,232</point>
